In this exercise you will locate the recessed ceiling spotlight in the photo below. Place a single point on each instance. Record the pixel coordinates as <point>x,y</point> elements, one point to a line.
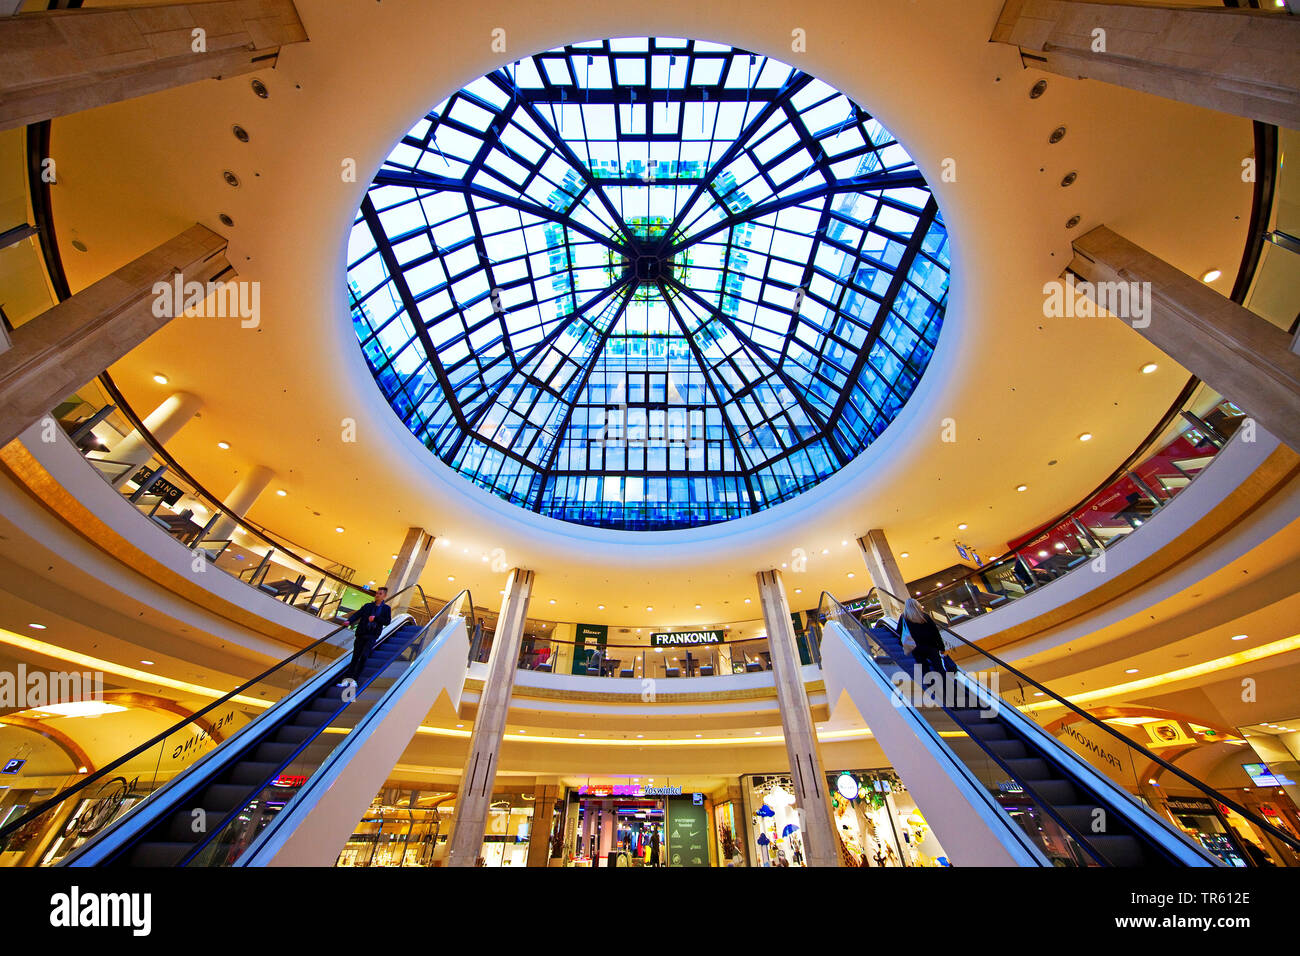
<point>1042,554</point>
<point>552,600</point>
<point>281,492</point>
<point>600,607</point>
<point>147,663</point>
<point>160,379</point>
<point>339,530</point>
<point>1239,637</point>
<point>450,579</point>
<point>698,606</point>
<point>1131,670</point>
<point>1149,368</point>
<point>37,627</point>
<point>224,445</point>
<point>648,608</point>
<point>394,557</point>
<point>1211,275</point>
<point>746,600</point>
<point>1059,546</point>
<point>1086,436</point>
<point>961,527</point>
<point>851,574</point>
<point>904,555</point>
<point>1022,487</point>
<point>798,590</point>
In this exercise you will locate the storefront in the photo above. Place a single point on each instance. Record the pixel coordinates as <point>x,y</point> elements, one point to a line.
<point>1200,819</point>
<point>634,825</point>
<point>876,819</point>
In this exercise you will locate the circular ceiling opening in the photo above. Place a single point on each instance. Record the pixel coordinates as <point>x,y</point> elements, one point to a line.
<point>647,283</point>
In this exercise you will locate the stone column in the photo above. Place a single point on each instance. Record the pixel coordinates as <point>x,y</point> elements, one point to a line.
<point>408,567</point>
<point>1243,357</point>
<point>55,62</point>
<point>883,570</point>
<point>162,423</point>
<point>1240,61</point>
<point>240,499</point>
<point>821,845</point>
<point>475,797</point>
<point>62,349</point>
<point>545,794</point>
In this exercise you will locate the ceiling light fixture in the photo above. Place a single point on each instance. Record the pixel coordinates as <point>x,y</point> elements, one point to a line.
<point>961,527</point>
<point>281,492</point>
<point>1022,487</point>
<point>339,530</point>
<point>904,555</point>
<point>1239,637</point>
<point>224,445</point>
<point>1086,436</point>
<point>1149,368</point>
<point>160,379</point>
<point>37,627</point>
<point>1211,275</point>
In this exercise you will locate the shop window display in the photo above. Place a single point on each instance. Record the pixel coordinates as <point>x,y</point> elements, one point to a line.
<point>878,822</point>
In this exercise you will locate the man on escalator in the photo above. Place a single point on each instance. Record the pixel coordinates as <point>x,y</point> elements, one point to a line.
<point>370,620</point>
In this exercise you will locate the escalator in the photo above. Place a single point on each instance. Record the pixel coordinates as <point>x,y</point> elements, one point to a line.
<point>1046,803</point>
<point>1065,798</point>
<point>215,811</point>
<point>289,740</point>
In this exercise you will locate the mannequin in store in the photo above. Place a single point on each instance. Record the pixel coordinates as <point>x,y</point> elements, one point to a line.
<point>654,847</point>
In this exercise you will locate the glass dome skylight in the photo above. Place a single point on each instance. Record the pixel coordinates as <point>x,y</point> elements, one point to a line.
<point>647,283</point>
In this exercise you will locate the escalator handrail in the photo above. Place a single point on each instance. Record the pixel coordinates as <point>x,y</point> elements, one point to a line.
<point>1082,775</point>
<point>308,793</point>
<point>324,677</point>
<point>1205,788</point>
<point>34,812</point>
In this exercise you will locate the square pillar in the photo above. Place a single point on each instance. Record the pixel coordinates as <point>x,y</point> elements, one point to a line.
<point>408,567</point>
<point>821,843</point>
<point>884,571</point>
<point>475,797</point>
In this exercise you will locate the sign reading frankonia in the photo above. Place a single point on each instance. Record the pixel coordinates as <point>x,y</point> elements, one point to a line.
<point>685,638</point>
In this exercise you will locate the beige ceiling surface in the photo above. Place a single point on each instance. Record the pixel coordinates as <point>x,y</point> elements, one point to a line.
<point>1020,387</point>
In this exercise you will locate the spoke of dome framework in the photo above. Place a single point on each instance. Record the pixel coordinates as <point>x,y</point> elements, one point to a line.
<point>507,85</point>
<point>419,179</point>
<point>550,337</point>
<point>814,416</point>
<point>742,465</point>
<point>798,82</point>
<point>398,278</point>
<point>592,359</point>
<point>887,302</point>
<point>898,179</point>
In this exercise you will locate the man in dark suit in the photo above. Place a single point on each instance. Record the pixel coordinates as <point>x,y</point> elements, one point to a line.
<point>370,619</point>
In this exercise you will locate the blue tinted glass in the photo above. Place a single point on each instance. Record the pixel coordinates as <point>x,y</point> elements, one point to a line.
<point>647,283</point>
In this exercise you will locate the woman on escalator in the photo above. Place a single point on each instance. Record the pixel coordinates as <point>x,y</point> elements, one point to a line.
<point>917,629</point>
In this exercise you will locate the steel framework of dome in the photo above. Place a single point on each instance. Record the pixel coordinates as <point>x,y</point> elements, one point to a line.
<point>647,283</point>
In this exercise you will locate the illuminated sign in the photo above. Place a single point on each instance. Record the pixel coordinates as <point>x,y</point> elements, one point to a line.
<point>685,638</point>
<point>628,790</point>
<point>13,766</point>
